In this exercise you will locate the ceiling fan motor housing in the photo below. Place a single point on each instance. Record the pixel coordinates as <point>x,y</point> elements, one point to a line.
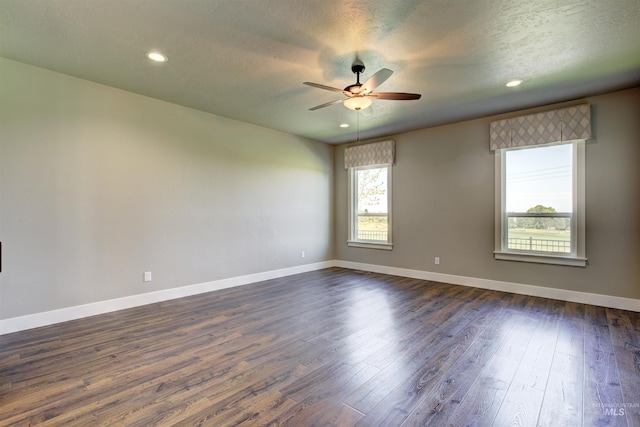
<point>354,88</point>
<point>357,67</point>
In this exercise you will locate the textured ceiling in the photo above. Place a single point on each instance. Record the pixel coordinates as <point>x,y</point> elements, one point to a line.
<point>247,59</point>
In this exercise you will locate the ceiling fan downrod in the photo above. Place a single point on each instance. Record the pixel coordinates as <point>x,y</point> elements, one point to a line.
<point>357,67</point>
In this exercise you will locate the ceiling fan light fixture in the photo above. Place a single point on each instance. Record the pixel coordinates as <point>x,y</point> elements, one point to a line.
<point>357,103</point>
<point>157,56</point>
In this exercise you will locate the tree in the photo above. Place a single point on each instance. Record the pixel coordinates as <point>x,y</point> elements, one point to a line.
<point>514,223</point>
<point>541,223</point>
<point>561,223</point>
<point>370,187</point>
<point>545,223</point>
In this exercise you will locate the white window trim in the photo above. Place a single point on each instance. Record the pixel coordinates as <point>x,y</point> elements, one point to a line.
<point>577,258</point>
<point>352,240</point>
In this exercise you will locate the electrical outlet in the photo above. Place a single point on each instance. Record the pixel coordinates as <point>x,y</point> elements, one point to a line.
<point>302,254</point>
<point>147,276</point>
<point>437,260</point>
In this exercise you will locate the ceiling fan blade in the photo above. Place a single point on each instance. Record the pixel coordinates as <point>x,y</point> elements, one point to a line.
<point>332,89</point>
<point>317,107</point>
<point>376,80</point>
<point>398,96</point>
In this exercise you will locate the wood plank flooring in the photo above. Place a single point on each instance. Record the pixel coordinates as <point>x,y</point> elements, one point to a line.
<point>334,347</point>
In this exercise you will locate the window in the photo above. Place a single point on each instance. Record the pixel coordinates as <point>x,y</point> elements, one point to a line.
<point>540,204</point>
<point>370,206</point>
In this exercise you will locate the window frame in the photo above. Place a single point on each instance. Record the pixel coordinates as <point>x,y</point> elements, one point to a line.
<point>353,240</point>
<point>577,256</point>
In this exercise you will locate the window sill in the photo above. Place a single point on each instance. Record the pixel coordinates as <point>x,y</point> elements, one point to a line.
<point>370,245</point>
<point>541,258</point>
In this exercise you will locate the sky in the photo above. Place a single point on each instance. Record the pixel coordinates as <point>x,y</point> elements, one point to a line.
<point>535,176</point>
<point>540,176</point>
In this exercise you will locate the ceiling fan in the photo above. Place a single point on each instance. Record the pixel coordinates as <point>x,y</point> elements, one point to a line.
<point>358,95</point>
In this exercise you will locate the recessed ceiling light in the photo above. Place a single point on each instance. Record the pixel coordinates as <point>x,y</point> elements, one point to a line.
<point>157,56</point>
<point>344,125</point>
<point>514,83</point>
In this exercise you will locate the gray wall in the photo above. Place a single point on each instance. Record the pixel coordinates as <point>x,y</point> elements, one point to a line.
<point>443,204</point>
<point>98,185</point>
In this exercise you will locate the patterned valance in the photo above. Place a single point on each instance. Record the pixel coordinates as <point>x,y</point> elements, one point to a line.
<point>565,124</point>
<point>378,153</point>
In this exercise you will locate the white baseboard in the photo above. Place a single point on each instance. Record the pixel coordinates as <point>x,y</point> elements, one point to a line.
<point>46,318</point>
<point>516,288</point>
<point>31,321</point>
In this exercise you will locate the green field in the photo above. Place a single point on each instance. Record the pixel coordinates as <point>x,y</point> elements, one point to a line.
<point>540,234</point>
<point>377,223</point>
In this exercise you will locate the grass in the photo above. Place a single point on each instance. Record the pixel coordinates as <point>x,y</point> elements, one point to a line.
<point>373,223</point>
<point>540,234</point>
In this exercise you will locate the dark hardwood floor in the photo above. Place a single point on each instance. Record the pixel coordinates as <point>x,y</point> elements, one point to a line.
<point>332,347</point>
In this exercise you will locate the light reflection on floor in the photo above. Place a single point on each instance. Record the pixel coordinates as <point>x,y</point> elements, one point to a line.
<point>371,324</point>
